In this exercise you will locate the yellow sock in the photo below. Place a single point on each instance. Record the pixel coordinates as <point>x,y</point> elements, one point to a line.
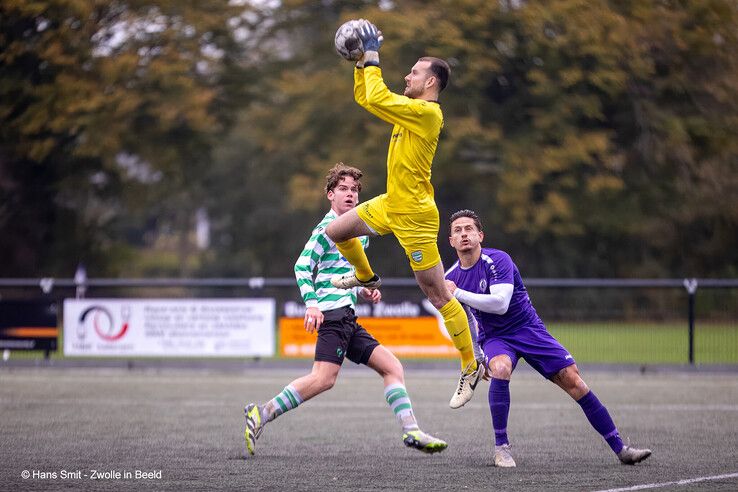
<point>458,329</point>
<point>353,251</point>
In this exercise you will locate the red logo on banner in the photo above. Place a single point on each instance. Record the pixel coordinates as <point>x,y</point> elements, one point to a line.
<point>102,322</point>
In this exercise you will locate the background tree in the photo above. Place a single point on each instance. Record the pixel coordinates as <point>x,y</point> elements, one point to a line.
<point>110,111</point>
<point>582,131</point>
<point>595,137</point>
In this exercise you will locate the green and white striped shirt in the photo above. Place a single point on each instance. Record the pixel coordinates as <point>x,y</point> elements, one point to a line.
<point>321,256</point>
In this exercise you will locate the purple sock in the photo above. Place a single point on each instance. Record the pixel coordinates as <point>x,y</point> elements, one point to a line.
<point>499,407</point>
<point>600,419</point>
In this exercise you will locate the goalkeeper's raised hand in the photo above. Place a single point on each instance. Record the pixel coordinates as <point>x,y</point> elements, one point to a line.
<point>371,39</point>
<point>370,36</point>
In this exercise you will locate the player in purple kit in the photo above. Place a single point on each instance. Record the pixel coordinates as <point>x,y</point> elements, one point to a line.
<point>487,281</point>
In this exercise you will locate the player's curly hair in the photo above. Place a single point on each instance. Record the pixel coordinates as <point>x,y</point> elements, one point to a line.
<point>338,172</point>
<point>465,213</point>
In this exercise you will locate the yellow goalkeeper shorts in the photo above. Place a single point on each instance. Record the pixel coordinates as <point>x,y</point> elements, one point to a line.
<point>416,232</point>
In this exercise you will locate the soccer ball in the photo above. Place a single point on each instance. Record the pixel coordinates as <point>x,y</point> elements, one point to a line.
<point>348,43</point>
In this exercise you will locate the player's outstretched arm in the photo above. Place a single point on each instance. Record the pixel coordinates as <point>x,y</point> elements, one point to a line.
<point>496,302</point>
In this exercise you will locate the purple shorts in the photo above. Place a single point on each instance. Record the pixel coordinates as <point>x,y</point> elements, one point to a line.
<point>534,344</point>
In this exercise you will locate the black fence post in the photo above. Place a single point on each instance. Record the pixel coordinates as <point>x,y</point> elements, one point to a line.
<point>691,285</point>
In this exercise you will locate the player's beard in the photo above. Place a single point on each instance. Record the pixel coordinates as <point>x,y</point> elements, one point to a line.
<point>410,92</point>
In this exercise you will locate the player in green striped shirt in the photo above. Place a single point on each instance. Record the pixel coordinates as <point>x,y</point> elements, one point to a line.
<point>330,312</point>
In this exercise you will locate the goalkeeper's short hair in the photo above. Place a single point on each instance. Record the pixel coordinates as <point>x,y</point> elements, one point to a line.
<point>441,70</point>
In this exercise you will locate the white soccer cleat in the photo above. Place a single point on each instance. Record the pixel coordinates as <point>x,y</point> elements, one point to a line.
<point>467,383</point>
<point>350,280</point>
<point>631,456</point>
<point>503,458</point>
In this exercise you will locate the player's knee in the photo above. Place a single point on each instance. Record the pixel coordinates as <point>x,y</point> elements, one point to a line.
<point>386,364</point>
<point>572,382</point>
<point>501,369</point>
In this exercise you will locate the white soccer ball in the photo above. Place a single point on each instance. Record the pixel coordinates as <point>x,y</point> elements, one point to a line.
<point>347,41</point>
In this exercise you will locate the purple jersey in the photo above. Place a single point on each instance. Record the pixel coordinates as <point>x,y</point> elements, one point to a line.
<point>519,332</point>
<point>496,267</point>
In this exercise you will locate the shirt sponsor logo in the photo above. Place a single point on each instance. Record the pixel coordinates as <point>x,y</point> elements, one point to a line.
<point>417,256</point>
<point>365,208</point>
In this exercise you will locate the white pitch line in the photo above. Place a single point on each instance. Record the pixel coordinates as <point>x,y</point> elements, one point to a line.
<point>686,481</point>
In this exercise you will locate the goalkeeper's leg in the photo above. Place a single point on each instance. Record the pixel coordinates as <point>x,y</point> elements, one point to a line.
<point>344,231</point>
<point>353,251</point>
<point>432,283</point>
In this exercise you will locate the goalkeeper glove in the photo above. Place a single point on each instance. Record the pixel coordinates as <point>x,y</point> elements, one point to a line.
<point>370,37</point>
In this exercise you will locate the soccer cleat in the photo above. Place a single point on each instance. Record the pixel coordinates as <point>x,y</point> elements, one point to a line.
<point>467,383</point>
<point>503,458</point>
<point>254,426</point>
<point>424,442</point>
<point>631,456</point>
<point>350,280</point>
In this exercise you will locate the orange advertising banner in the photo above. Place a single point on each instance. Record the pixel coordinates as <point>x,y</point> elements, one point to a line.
<point>405,337</point>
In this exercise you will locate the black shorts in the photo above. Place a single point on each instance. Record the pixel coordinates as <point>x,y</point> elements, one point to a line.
<point>341,336</point>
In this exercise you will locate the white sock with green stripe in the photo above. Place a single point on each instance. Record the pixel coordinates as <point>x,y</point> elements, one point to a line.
<point>399,402</point>
<point>288,399</point>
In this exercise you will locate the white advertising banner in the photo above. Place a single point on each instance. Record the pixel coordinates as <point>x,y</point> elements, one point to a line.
<point>169,327</point>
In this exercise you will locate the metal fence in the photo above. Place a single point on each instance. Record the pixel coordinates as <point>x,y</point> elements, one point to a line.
<point>631,321</point>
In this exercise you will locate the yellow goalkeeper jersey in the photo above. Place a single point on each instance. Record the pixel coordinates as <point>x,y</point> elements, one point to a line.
<point>417,126</point>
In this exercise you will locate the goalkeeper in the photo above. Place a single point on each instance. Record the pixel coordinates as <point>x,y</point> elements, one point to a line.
<point>407,209</point>
<point>330,311</point>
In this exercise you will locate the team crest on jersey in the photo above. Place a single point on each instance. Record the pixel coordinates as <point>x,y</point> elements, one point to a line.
<point>483,285</point>
<point>417,256</point>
